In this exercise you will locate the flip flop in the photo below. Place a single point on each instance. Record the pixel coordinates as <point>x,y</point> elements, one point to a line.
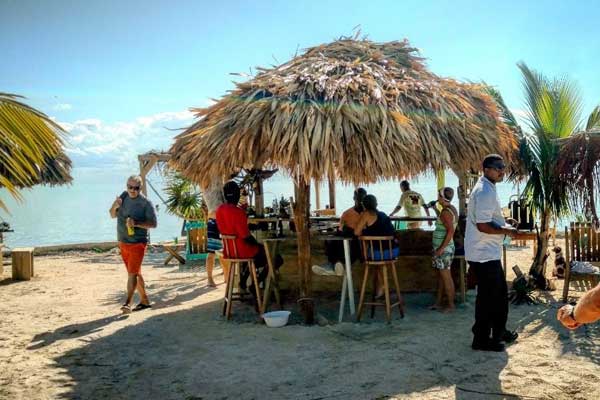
<point>141,306</point>
<point>125,309</point>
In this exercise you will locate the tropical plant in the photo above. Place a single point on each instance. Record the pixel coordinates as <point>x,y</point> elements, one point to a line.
<point>31,147</point>
<point>183,198</point>
<point>553,112</point>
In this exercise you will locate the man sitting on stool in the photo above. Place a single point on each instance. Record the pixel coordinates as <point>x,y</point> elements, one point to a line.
<point>334,249</point>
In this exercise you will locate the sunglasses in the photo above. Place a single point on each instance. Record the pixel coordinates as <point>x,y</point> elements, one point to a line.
<point>498,167</point>
<point>136,188</point>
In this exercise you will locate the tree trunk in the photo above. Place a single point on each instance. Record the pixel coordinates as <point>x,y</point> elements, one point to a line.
<point>301,215</point>
<point>591,202</point>
<point>538,267</point>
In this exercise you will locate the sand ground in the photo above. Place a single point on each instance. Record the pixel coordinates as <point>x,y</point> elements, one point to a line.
<point>62,336</point>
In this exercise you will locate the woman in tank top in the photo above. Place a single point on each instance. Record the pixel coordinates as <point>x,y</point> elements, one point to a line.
<point>443,248</point>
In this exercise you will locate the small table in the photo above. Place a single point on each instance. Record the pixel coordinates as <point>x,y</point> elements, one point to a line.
<point>171,248</point>
<point>347,284</point>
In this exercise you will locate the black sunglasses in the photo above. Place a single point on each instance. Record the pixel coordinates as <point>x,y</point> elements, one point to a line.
<point>137,188</point>
<point>498,167</point>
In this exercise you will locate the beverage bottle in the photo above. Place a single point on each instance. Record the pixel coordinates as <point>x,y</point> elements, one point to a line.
<point>130,230</point>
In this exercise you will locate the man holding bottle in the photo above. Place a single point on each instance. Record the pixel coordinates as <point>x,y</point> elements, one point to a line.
<point>135,215</point>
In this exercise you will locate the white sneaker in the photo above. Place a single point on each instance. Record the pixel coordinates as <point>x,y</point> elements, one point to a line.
<point>339,269</point>
<point>326,269</point>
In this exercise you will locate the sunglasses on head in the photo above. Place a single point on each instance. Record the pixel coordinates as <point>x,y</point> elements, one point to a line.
<point>137,188</point>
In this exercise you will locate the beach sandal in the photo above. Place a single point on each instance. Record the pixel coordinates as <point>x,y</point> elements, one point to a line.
<point>141,306</point>
<point>125,309</point>
<point>434,307</point>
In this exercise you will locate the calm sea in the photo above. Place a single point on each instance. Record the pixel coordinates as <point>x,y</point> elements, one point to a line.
<point>79,213</point>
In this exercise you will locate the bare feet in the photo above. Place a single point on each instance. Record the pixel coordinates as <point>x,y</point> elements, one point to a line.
<point>211,283</point>
<point>447,310</point>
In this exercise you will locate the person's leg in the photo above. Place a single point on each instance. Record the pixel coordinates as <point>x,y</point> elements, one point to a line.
<point>334,249</point>
<point>210,264</point>
<point>136,256</point>
<point>131,285</point>
<point>141,288</point>
<point>500,302</point>
<point>439,293</point>
<point>482,327</point>
<point>448,285</point>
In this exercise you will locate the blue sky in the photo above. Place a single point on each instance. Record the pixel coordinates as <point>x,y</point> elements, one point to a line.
<point>117,73</point>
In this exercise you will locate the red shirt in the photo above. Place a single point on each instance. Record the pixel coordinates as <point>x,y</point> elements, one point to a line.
<point>232,220</point>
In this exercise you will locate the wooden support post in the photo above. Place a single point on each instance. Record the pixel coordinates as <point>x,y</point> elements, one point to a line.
<point>259,200</point>
<point>462,194</point>
<point>22,263</point>
<point>146,165</point>
<point>301,214</point>
<point>331,182</point>
<point>317,195</point>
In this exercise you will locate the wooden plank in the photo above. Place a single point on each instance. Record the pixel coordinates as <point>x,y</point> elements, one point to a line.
<point>589,243</point>
<point>576,242</point>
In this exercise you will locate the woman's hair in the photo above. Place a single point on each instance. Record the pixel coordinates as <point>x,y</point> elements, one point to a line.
<point>370,202</point>
<point>447,193</point>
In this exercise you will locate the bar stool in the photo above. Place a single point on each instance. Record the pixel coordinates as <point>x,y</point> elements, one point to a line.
<point>370,245</point>
<point>235,265</point>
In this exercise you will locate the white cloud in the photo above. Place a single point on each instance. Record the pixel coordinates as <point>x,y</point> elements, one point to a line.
<point>62,107</point>
<point>92,142</point>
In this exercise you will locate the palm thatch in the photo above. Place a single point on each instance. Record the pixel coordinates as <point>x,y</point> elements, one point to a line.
<point>352,109</point>
<point>31,147</point>
<point>579,165</point>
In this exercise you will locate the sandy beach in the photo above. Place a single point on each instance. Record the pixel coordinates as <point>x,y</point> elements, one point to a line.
<point>62,337</point>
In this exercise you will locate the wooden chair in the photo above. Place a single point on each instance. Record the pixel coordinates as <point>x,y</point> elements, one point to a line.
<point>582,242</point>
<point>230,254</point>
<point>197,239</point>
<point>369,246</point>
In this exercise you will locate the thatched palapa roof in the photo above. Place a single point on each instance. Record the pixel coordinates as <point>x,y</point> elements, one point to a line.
<point>579,165</point>
<point>352,108</point>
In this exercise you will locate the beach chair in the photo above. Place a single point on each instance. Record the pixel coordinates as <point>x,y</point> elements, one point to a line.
<point>375,259</point>
<point>582,242</point>
<point>197,239</point>
<point>235,268</point>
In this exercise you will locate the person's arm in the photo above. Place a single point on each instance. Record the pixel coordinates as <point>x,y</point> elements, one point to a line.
<point>586,311</point>
<point>361,224</point>
<point>398,207</point>
<point>149,221</point>
<point>486,206</point>
<point>114,209</point>
<point>447,219</point>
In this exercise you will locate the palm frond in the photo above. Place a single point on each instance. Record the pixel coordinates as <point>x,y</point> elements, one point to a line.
<point>31,147</point>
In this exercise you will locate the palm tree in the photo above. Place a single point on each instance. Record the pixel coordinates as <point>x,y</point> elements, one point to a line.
<point>553,112</point>
<point>183,198</point>
<point>31,147</point>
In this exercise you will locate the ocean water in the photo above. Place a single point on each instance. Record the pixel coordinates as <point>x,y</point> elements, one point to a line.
<point>78,213</point>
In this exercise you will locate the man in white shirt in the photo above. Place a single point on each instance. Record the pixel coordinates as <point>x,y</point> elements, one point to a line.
<point>484,235</point>
<point>412,202</point>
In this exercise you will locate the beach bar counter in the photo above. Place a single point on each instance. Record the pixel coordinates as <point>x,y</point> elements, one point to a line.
<point>414,264</point>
